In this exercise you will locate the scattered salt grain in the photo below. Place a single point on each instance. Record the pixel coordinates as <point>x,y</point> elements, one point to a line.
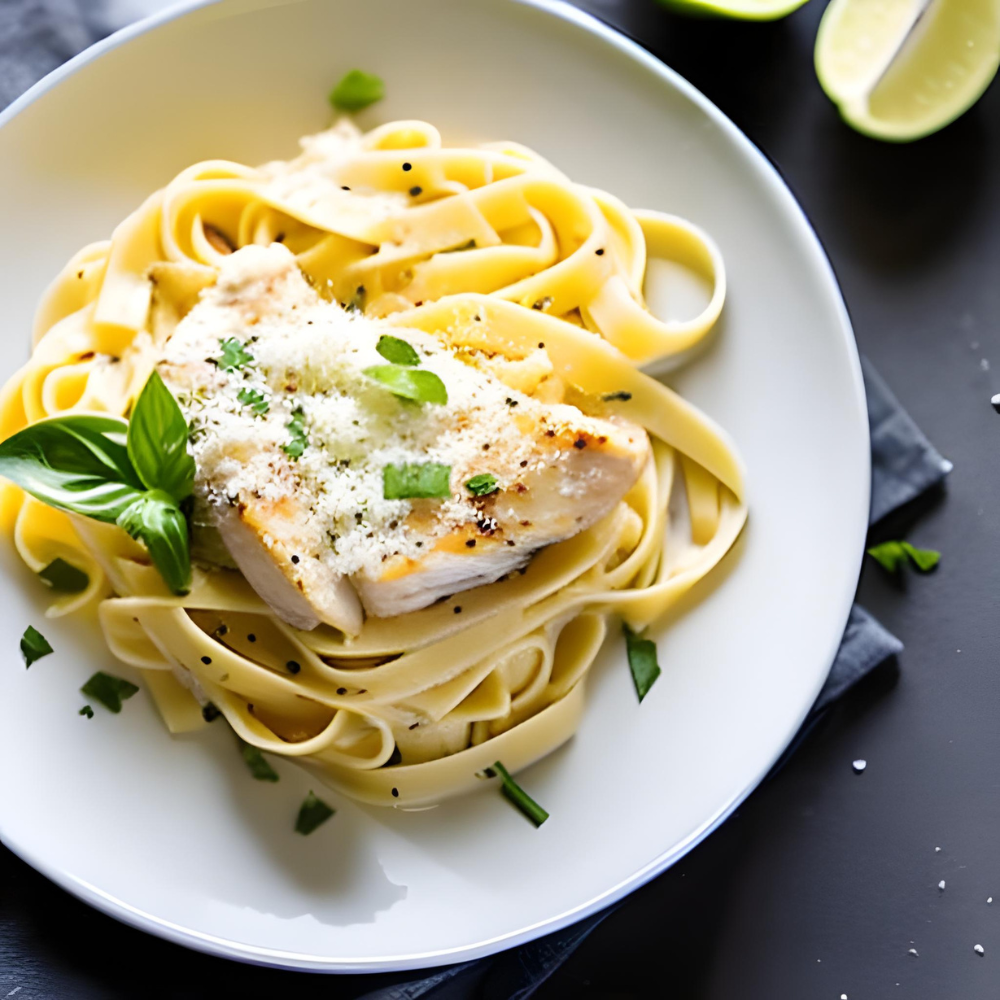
<point>937,850</point>
<point>859,766</point>
<point>979,949</point>
<point>941,885</point>
<point>914,953</point>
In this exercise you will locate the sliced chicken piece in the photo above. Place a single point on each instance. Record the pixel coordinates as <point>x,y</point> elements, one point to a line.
<point>292,434</point>
<point>266,543</point>
<point>572,479</point>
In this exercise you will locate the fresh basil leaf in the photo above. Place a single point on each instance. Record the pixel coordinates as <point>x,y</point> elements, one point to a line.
<point>482,485</point>
<point>418,385</point>
<point>516,794</point>
<point>891,555</point>
<point>156,521</point>
<point>356,91</point>
<point>613,397</point>
<point>234,355</point>
<point>641,661</point>
<point>77,463</point>
<point>158,439</point>
<point>471,245</point>
<point>109,690</point>
<point>34,645</point>
<point>64,577</point>
<point>399,352</point>
<point>256,762</point>
<point>209,712</point>
<point>255,399</point>
<point>313,813</point>
<point>299,438</point>
<point>415,481</point>
<point>87,711</point>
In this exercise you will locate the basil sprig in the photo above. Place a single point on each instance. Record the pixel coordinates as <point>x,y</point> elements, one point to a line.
<point>134,474</point>
<point>410,383</point>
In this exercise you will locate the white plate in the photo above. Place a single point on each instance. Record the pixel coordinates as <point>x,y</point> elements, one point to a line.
<point>171,835</point>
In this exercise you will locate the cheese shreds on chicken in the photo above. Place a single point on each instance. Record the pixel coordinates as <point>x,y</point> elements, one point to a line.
<point>291,440</point>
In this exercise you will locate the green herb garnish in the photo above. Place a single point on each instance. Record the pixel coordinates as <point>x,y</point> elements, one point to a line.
<point>109,690</point>
<point>356,91</point>
<point>297,433</point>
<point>34,645</point>
<point>516,794</point>
<point>209,712</point>
<point>134,474</point>
<point>157,521</point>
<point>64,577</point>
<point>612,397</point>
<point>234,355</point>
<point>255,399</point>
<point>471,245</point>
<point>416,481</point>
<point>641,661</point>
<point>313,813</point>
<point>408,383</point>
<point>891,555</point>
<point>157,442</point>
<point>482,485</point>
<point>256,761</point>
<point>87,711</point>
<point>399,352</point>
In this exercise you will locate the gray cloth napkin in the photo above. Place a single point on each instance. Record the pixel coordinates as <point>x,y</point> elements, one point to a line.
<point>36,36</point>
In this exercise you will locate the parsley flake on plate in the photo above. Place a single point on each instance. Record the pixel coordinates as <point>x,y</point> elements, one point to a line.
<point>34,645</point>
<point>109,690</point>
<point>642,661</point>
<point>313,813</point>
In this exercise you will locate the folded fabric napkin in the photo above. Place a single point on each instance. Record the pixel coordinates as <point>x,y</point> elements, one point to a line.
<point>36,36</point>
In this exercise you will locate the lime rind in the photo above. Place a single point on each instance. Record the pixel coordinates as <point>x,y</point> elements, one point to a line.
<point>900,70</point>
<point>739,10</point>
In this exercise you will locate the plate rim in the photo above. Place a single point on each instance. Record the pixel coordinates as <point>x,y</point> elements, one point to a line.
<point>296,961</point>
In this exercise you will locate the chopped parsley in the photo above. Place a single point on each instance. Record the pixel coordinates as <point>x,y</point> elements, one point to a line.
<point>408,383</point>
<point>34,645</point>
<point>416,481</point>
<point>109,690</point>
<point>87,711</point>
<point>397,351</point>
<point>64,577</point>
<point>357,90</point>
<point>616,397</point>
<point>641,661</point>
<point>256,762</point>
<point>482,485</point>
<point>209,712</point>
<point>516,794</point>
<point>255,399</point>
<point>234,355</point>
<point>891,555</point>
<point>313,813</point>
<point>299,438</point>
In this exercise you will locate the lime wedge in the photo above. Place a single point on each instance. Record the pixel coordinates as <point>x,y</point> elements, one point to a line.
<point>901,69</point>
<point>741,10</point>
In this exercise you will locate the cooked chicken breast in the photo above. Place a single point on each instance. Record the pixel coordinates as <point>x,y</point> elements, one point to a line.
<point>333,491</point>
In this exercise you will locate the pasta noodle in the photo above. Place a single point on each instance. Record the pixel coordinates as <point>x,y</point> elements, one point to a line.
<point>487,246</point>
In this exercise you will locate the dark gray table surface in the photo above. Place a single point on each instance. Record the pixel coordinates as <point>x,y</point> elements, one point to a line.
<point>823,880</point>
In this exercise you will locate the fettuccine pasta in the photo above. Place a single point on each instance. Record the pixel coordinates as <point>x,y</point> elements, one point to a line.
<point>487,247</point>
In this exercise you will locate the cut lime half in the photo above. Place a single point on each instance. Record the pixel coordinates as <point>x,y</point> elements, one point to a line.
<point>901,69</point>
<point>740,10</point>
